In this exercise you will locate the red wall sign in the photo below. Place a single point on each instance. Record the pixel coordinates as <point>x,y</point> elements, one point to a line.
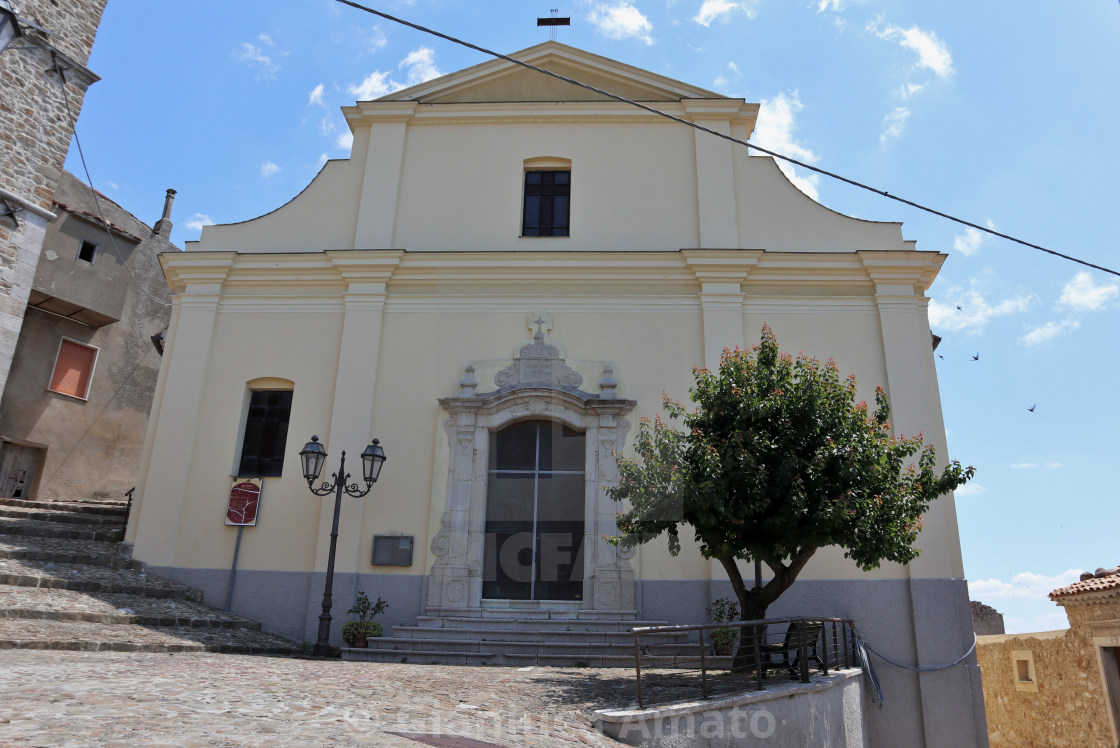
<point>244,500</point>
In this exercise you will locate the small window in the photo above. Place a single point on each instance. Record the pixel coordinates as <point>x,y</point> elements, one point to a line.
<point>87,252</point>
<point>266,430</point>
<point>392,550</point>
<point>1022,661</point>
<point>73,369</point>
<point>547,199</point>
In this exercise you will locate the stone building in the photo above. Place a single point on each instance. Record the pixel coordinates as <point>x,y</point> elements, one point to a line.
<point>503,276</point>
<point>986,619</point>
<point>1059,688</point>
<point>36,108</point>
<point>73,415</point>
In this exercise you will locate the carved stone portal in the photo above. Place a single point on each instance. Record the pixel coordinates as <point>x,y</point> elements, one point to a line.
<point>538,384</point>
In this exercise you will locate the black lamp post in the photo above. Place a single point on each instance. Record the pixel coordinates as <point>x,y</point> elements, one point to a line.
<point>313,457</point>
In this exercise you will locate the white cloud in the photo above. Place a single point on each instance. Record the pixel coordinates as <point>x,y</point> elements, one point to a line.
<point>711,10</point>
<point>893,124</point>
<point>327,127</point>
<point>971,239</point>
<point>1024,465</point>
<point>267,67</point>
<point>198,220</point>
<point>970,489</point>
<point>316,95</point>
<point>268,169</point>
<point>323,158</point>
<point>345,140</point>
<point>975,311</point>
<point>620,21</point>
<point>835,6</point>
<point>377,39</point>
<point>1049,331</point>
<point>774,131</point>
<point>909,89</point>
<point>1083,294</point>
<point>1024,586</point>
<point>933,54</point>
<point>375,85</point>
<point>112,185</point>
<point>1054,465</point>
<point>721,80</point>
<point>421,66</point>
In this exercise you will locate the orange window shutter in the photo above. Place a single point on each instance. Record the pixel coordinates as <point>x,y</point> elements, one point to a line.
<point>73,368</point>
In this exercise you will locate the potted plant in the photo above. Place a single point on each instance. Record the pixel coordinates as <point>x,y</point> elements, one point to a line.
<point>724,610</point>
<point>356,632</point>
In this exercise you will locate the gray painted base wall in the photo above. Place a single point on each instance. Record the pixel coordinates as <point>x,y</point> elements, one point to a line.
<point>943,709</point>
<point>289,603</point>
<point>936,709</point>
<point>828,713</point>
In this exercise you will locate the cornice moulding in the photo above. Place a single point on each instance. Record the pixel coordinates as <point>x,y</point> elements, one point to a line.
<point>902,273</point>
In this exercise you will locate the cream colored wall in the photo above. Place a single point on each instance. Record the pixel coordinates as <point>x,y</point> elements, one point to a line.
<point>444,182</point>
<point>468,179</point>
<point>643,315</point>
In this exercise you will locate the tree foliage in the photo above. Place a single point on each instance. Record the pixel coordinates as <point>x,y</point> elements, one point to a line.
<point>776,460</point>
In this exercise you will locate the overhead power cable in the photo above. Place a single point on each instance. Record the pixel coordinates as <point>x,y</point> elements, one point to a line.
<point>658,112</point>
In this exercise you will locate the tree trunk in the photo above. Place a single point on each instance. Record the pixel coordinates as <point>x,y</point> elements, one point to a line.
<point>754,602</point>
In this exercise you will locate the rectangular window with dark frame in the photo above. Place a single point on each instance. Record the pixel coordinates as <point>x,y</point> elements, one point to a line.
<point>547,198</point>
<point>266,429</point>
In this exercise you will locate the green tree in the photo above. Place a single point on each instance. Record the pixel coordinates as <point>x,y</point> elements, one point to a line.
<point>777,460</point>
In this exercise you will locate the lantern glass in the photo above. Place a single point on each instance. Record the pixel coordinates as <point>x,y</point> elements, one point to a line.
<point>372,459</point>
<point>313,457</point>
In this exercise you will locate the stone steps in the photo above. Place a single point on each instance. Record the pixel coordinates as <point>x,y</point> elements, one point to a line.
<point>465,656</point>
<point>18,633</point>
<point>62,586</point>
<point>60,517</point>
<point>114,509</point>
<point>64,551</point>
<point>86,578</point>
<point>530,635</point>
<point>509,622</point>
<point>69,605</point>
<point>498,646</point>
<point>49,529</point>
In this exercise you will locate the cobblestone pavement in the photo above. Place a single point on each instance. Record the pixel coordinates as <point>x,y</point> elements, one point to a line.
<point>77,699</point>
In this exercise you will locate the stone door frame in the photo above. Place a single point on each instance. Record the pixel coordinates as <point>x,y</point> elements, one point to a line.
<point>455,582</point>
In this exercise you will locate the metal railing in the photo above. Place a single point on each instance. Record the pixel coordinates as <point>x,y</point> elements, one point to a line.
<point>734,656</point>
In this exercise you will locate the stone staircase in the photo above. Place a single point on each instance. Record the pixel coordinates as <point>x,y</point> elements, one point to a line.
<point>533,637</point>
<point>63,585</point>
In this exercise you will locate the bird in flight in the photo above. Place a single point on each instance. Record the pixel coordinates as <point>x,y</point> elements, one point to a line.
<point>1031,409</point>
<point>960,308</point>
<point>976,357</point>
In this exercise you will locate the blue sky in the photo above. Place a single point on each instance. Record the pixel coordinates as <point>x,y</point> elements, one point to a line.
<point>1003,112</point>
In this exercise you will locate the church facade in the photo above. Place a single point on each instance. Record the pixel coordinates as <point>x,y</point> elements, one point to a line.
<point>506,274</point>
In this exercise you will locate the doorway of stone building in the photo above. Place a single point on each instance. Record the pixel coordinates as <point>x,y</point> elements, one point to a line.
<point>1110,661</point>
<point>19,468</point>
<point>535,500</point>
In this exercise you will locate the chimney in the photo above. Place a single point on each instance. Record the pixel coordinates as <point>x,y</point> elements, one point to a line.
<point>163,225</point>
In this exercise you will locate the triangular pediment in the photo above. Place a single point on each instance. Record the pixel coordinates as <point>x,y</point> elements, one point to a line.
<point>501,81</point>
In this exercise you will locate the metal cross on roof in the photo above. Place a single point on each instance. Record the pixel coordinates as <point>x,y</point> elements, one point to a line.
<point>553,22</point>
